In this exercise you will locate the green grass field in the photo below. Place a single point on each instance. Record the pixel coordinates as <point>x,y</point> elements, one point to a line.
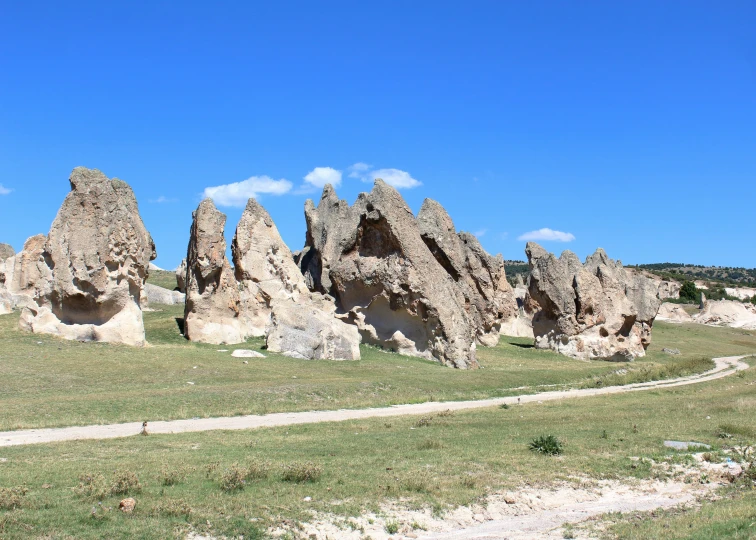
<point>50,382</point>
<point>163,278</point>
<point>452,460</point>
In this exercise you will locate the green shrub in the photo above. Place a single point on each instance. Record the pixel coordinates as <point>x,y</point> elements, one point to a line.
<point>92,486</point>
<point>172,476</point>
<point>547,444</point>
<point>689,292</point>
<point>233,479</point>
<point>12,498</point>
<point>125,482</point>
<point>392,527</point>
<point>302,472</point>
<point>258,470</point>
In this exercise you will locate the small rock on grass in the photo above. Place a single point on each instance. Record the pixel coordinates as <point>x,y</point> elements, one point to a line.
<point>127,505</point>
<point>246,353</point>
<point>670,351</point>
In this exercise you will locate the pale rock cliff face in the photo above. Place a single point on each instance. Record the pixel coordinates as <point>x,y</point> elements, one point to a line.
<point>727,313</point>
<point>674,313</point>
<point>489,299</point>
<point>275,300</point>
<point>372,259</point>
<point>89,278</point>
<point>181,276</point>
<point>25,270</point>
<point>213,306</point>
<point>591,310</point>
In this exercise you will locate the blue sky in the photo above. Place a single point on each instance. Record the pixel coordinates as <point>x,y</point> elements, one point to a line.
<point>626,125</point>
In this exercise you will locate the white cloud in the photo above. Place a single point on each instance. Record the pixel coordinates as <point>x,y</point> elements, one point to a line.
<point>358,169</point>
<point>238,193</point>
<point>481,233</point>
<point>162,199</point>
<point>320,176</point>
<point>393,177</point>
<point>547,235</point>
<point>4,190</point>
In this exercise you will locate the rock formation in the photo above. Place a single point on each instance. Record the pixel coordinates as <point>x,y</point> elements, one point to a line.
<point>181,276</point>
<point>6,251</point>
<point>595,310</point>
<point>673,313</point>
<point>489,298</point>
<point>275,300</point>
<point>742,293</point>
<point>160,295</point>
<point>25,270</point>
<point>727,313</point>
<point>372,259</point>
<point>89,277</point>
<point>264,295</point>
<point>211,314</point>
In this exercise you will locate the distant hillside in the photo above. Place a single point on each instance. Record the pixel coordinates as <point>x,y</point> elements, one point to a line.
<point>512,268</point>
<point>716,275</point>
<point>740,277</point>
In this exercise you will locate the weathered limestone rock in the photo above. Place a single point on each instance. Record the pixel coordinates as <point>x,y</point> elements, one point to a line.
<point>275,300</point>
<point>667,288</point>
<point>309,332</point>
<point>6,299</point>
<point>371,258</point>
<point>96,260</point>
<point>674,313</point>
<point>181,276</point>
<point>160,295</point>
<point>6,251</point>
<point>211,314</point>
<point>26,270</point>
<point>727,313</point>
<point>595,310</point>
<point>489,298</point>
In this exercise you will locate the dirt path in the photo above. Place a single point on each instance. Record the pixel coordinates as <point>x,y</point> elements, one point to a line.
<point>724,367</point>
<point>527,514</point>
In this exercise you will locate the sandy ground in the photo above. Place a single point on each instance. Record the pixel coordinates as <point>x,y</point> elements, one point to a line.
<point>530,513</point>
<point>724,367</point>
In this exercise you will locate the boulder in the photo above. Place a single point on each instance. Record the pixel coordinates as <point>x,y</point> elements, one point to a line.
<point>181,276</point>
<point>89,278</point>
<point>591,310</point>
<point>488,297</point>
<point>160,295</point>
<point>727,313</point>
<point>275,300</point>
<point>305,331</point>
<point>211,313</point>
<point>673,313</point>
<point>372,259</point>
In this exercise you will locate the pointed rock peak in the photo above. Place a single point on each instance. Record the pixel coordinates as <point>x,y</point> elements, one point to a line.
<point>534,252</point>
<point>255,211</point>
<point>207,205</point>
<point>82,179</point>
<point>433,215</point>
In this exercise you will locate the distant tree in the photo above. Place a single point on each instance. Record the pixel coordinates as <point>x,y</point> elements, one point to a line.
<point>753,299</point>
<point>689,292</point>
